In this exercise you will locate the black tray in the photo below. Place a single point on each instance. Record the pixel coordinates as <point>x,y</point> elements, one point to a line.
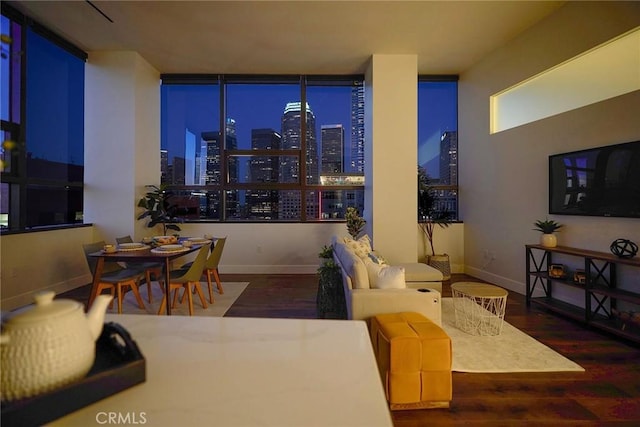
<point>118,366</point>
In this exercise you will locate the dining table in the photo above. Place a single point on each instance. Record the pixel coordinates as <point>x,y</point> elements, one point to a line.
<point>145,253</point>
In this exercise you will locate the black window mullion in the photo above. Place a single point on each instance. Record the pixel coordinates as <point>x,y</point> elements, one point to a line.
<point>302,163</point>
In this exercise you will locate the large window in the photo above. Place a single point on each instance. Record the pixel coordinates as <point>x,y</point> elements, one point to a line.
<point>438,140</point>
<point>287,148</point>
<point>42,127</point>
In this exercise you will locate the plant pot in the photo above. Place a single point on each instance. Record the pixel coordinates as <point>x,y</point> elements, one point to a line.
<point>442,264</point>
<point>548,240</point>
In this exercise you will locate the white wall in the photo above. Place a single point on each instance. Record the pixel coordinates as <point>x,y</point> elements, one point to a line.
<point>503,177</point>
<point>391,155</point>
<point>48,260</point>
<point>122,134</point>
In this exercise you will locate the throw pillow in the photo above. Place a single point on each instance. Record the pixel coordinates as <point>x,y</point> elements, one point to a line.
<point>373,270</point>
<point>377,259</point>
<point>361,247</point>
<point>391,277</point>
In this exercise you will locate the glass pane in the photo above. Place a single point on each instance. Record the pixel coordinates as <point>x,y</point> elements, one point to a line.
<point>4,205</point>
<point>190,134</point>
<point>263,107</point>
<point>339,118</point>
<point>197,204</point>
<point>438,141</point>
<point>262,169</point>
<point>55,106</point>
<point>334,203</point>
<point>438,130</point>
<point>53,205</point>
<point>8,152</point>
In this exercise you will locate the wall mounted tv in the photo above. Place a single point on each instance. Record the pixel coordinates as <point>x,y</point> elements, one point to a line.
<point>603,181</point>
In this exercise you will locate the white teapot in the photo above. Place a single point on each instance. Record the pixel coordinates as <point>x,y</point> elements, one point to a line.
<point>49,345</point>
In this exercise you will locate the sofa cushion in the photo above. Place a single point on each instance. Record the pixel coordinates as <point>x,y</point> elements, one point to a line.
<point>419,272</point>
<point>361,247</point>
<point>353,266</point>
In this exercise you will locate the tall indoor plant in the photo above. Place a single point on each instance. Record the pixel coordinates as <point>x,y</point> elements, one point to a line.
<point>159,209</point>
<point>429,218</point>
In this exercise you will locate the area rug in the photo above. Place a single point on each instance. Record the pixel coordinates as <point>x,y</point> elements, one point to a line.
<point>222,303</point>
<point>511,351</point>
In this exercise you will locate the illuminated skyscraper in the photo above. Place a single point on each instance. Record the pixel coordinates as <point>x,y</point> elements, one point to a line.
<point>263,204</point>
<point>290,201</point>
<point>332,147</point>
<point>357,129</point>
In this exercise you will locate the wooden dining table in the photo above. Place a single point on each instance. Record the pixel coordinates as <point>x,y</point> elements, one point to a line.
<point>140,255</point>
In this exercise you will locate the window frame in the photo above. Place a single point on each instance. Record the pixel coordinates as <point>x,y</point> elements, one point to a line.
<point>305,188</point>
<point>437,188</point>
<point>17,178</point>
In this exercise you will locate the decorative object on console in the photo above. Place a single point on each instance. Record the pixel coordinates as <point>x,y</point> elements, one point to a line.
<point>623,248</point>
<point>579,277</point>
<point>547,228</point>
<point>428,218</point>
<point>557,271</point>
<point>355,223</point>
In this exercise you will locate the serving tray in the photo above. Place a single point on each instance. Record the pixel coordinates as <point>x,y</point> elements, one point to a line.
<point>119,365</point>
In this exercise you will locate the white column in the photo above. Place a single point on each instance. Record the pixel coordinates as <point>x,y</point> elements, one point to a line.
<point>391,155</point>
<point>122,140</point>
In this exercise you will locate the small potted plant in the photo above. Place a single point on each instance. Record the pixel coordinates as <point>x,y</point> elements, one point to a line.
<point>547,228</point>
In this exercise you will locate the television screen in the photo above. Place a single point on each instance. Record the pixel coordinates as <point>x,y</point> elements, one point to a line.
<point>603,181</point>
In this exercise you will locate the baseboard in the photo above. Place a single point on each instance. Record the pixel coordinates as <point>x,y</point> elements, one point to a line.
<point>502,281</point>
<point>26,298</point>
<point>268,269</point>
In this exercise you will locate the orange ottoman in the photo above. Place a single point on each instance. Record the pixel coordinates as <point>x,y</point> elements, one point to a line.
<point>414,360</point>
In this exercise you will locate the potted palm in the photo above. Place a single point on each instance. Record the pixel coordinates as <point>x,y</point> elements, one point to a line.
<point>430,218</point>
<point>547,228</point>
<point>159,209</point>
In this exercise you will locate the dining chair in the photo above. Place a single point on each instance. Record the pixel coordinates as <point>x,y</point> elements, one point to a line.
<point>150,268</point>
<point>211,266</point>
<point>114,277</point>
<point>184,279</point>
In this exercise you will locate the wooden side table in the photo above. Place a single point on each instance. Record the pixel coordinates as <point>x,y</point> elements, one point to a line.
<point>479,307</point>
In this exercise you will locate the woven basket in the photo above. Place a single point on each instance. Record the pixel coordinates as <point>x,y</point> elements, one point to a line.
<point>441,263</point>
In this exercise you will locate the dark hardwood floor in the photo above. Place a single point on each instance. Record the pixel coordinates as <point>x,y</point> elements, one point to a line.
<point>606,394</point>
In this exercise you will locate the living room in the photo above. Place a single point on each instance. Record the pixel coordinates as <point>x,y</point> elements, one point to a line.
<point>502,180</point>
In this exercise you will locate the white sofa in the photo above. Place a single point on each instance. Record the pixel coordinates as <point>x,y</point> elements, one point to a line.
<point>364,301</point>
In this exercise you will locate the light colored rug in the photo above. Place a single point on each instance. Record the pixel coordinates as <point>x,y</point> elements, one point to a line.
<point>511,351</point>
<point>222,303</point>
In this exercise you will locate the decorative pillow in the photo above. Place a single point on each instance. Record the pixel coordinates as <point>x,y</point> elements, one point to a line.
<point>361,247</point>
<point>391,277</point>
<point>376,258</point>
<point>373,270</point>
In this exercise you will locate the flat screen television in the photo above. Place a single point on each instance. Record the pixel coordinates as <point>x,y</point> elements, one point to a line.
<point>603,181</point>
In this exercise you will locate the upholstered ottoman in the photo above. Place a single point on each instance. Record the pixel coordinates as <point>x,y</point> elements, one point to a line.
<point>414,360</point>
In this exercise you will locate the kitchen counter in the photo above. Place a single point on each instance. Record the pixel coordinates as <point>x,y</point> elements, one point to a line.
<point>246,372</point>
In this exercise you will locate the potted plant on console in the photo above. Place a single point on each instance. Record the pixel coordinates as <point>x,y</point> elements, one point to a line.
<point>547,228</point>
<point>429,217</point>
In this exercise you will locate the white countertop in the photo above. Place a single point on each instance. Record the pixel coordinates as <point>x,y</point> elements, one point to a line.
<point>212,371</point>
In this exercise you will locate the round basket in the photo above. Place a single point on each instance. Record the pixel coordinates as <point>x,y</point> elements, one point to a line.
<point>441,263</point>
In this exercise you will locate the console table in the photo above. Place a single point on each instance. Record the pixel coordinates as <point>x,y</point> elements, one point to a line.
<point>602,292</point>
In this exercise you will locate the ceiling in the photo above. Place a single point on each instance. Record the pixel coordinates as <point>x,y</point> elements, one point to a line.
<point>291,37</point>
